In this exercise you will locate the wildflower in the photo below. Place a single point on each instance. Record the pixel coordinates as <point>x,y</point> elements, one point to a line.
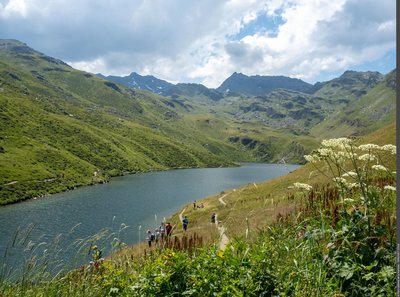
<point>389,148</point>
<point>340,180</point>
<point>353,185</point>
<point>368,147</point>
<point>341,143</point>
<point>323,152</point>
<point>379,167</point>
<point>390,188</point>
<point>350,173</point>
<point>345,154</point>
<point>113,290</point>
<point>312,158</point>
<point>302,186</point>
<point>366,157</point>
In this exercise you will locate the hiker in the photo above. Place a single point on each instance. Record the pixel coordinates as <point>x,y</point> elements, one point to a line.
<point>194,204</point>
<point>162,231</point>
<point>96,254</point>
<point>157,236</point>
<point>97,258</point>
<point>185,223</point>
<point>150,237</point>
<point>168,229</point>
<point>213,218</point>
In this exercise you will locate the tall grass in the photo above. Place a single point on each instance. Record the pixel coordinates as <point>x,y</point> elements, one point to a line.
<point>27,262</point>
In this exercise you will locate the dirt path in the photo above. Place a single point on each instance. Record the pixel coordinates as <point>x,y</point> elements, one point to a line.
<point>181,214</point>
<point>224,240</point>
<point>221,199</point>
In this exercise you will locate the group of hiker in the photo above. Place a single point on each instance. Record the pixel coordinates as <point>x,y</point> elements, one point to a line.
<point>165,230</point>
<point>162,233</point>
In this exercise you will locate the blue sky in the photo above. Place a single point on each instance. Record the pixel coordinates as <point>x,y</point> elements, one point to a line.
<point>206,41</point>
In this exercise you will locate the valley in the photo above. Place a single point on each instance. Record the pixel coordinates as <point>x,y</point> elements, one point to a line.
<point>62,128</point>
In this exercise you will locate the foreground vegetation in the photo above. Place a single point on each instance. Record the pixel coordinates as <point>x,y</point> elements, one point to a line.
<point>336,238</point>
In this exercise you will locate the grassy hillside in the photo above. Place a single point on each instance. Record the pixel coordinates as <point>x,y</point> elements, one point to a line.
<point>369,112</point>
<point>61,128</point>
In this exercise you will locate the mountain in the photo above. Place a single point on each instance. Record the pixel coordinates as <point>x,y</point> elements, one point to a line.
<point>137,81</point>
<point>369,106</point>
<point>328,110</point>
<point>350,83</point>
<point>61,128</point>
<point>235,85</point>
<point>192,90</point>
<point>261,85</point>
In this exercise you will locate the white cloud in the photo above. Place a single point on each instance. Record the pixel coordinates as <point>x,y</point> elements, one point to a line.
<point>181,40</point>
<point>13,8</point>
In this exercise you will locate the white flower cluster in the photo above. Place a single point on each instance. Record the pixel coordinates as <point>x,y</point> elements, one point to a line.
<point>338,149</point>
<point>341,143</point>
<point>312,158</point>
<point>325,152</point>
<point>366,157</point>
<point>368,147</point>
<point>390,188</point>
<point>379,167</point>
<point>389,148</point>
<point>302,186</point>
<point>339,180</point>
<point>350,174</point>
<point>353,185</point>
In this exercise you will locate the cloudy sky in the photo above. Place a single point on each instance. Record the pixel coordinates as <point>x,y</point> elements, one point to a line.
<point>206,41</point>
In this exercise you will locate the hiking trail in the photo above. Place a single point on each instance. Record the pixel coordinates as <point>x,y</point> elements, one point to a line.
<point>224,240</point>
<point>220,199</point>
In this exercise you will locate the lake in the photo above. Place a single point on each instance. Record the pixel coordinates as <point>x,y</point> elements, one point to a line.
<point>58,226</point>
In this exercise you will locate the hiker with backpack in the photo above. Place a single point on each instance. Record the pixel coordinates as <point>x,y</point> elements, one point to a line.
<point>150,237</point>
<point>97,258</point>
<point>185,223</point>
<point>157,236</point>
<point>162,231</point>
<point>168,229</point>
<point>213,216</point>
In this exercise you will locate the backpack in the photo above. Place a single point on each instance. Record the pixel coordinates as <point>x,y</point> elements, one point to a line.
<point>152,237</point>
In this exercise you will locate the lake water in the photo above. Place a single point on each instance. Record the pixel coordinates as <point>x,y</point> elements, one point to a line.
<point>57,226</point>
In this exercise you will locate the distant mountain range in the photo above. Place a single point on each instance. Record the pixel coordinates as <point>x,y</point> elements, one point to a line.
<point>237,83</point>
<point>137,81</point>
<point>261,85</point>
<point>240,84</point>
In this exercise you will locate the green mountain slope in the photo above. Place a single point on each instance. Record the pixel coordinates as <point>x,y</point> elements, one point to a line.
<point>61,128</point>
<point>353,104</point>
<point>375,108</point>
